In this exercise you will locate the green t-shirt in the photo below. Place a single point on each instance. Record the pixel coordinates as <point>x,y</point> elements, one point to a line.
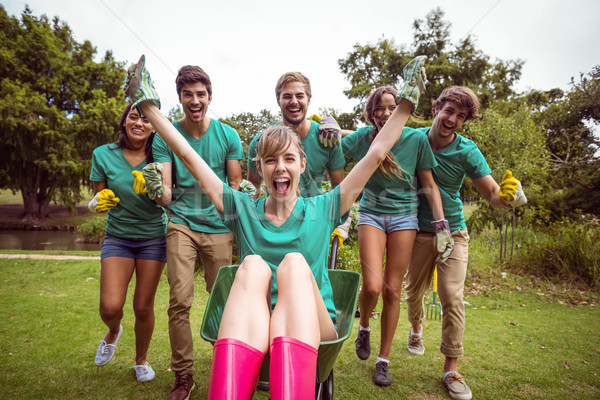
<point>318,160</point>
<point>461,157</point>
<point>390,195</point>
<point>135,216</point>
<point>190,205</point>
<point>306,231</point>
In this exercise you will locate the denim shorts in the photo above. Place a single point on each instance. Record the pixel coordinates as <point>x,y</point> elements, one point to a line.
<point>136,248</point>
<point>389,223</point>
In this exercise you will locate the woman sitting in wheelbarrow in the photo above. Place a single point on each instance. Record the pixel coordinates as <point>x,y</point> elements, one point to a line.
<point>283,241</point>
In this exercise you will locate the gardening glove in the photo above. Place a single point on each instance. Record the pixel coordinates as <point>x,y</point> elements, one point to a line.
<point>247,187</point>
<point>138,85</point>
<point>329,131</point>
<point>511,191</point>
<point>445,243</point>
<point>415,80</point>
<point>154,182</point>
<point>341,232</point>
<point>139,184</point>
<point>103,201</point>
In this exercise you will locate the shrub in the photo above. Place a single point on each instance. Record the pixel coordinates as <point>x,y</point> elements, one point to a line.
<point>570,252</point>
<point>92,229</point>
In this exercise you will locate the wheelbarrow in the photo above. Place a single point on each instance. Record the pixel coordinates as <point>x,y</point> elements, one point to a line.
<point>345,285</point>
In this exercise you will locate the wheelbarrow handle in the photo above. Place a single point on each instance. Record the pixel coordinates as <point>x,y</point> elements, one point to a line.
<point>333,252</point>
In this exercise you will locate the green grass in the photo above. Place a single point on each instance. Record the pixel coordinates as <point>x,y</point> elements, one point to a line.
<point>524,339</point>
<point>7,197</point>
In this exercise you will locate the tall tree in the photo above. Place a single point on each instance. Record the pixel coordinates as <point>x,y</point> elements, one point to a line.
<point>569,121</point>
<point>369,66</point>
<point>56,105</point>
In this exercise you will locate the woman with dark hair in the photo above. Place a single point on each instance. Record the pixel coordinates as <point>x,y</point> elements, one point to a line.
<point>387,223</point>
<point>134,239</point>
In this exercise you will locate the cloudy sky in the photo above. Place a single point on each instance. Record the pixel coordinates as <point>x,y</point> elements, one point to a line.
<point>245,45</point>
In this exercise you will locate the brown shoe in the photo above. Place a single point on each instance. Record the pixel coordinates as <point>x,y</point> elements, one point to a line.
<point>184,384</point>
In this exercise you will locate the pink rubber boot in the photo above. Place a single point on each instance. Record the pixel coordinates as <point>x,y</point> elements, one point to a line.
<point>293,369</point>
<point>234,371</point>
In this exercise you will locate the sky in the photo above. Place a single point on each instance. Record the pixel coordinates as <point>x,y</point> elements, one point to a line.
<point>246,45</point>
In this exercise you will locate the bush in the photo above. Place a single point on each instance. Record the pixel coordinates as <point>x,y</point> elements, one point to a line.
<point>92,230</point>
<point>570,252</point>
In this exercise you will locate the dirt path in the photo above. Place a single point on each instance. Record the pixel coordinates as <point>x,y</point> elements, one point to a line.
<point>49,257</point>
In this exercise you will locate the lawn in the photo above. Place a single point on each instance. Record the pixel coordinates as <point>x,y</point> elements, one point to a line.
<point>525,339</point>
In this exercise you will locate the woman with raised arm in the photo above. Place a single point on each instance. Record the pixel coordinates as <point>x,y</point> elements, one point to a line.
<point>283,241</point>
<point>134,240</point>
<point>388,224</point>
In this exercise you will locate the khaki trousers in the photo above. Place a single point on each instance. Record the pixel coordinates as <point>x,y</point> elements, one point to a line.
<point>451,283</point>
<point>183,247</point>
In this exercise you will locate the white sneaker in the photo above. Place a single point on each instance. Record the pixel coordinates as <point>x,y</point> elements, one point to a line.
<point>107,350</point>
<point>144,373</point>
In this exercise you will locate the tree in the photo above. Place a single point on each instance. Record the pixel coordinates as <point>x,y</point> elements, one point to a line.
<point>249,125</point>
<point>568,119</point>
<point>369,66</point>
<point>515,142</point>
<point>56,105</point>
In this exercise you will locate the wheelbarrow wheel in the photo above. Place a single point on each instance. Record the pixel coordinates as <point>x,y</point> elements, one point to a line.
<point>325,389</point>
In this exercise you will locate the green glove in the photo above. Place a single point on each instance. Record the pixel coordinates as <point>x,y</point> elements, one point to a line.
<point>138,85</point>
<point>247,187</point>
<point>103,201</point>
<point>511,191</point>
<point>415,80</point>
<point>139,184</point>
<point>153,177</point>
<point>445,243</point>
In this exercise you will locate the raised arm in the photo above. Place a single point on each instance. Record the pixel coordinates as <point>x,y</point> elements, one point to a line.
<point>407,99</point>
<point>139,88</point>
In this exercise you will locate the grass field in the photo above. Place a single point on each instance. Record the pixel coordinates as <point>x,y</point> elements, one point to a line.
<point>525,339</point>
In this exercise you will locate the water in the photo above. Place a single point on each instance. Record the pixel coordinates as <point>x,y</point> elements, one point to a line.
<point>43,240</point>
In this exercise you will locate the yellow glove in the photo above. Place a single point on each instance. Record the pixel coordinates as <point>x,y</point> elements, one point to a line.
<point>511,191</point>
<point>139,184</point>
<point>103,201</point>
<point>341,232</point>
<point>315,118</point>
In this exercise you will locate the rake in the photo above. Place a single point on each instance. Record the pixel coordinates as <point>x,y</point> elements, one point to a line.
<point>434,309</point>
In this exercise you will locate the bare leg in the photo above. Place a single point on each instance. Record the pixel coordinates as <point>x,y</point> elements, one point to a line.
<point>115,275</point>
<point>148,273</point>
<point>247,313</point>
<point>371,242</point>
<point>300,312</point>
<point>399,250</point>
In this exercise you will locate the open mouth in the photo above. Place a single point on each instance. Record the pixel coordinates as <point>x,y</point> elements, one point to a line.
<point>196,111</point>
<point>281,185</point>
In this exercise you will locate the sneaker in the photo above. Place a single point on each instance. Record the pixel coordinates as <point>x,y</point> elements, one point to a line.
<point>144,373</point>
<point>415,344</point>
<point>184,384</point>
<point>382,376</point>
<point>457,388</point>
<point>107,350</point>
<point>363,344</point>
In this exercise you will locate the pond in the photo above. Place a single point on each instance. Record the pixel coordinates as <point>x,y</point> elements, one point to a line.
<point>43,240</point>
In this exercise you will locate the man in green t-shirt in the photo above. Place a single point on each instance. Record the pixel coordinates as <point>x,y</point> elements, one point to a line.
<point>293,93</point>
<point>456,157</point>
<point>195,228</point>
